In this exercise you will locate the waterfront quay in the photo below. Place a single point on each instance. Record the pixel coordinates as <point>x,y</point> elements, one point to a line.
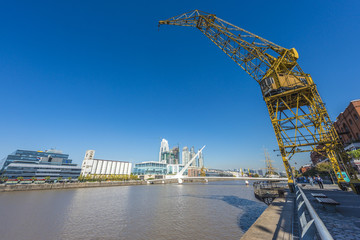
<point>280,219</point>
<point>276,222</point>
<point>71,185</point>
<point>66,185</point>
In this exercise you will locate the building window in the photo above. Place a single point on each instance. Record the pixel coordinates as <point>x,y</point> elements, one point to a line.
<point>350,121</point>
<point>356,116</point>
<point>345,127</point>
<point>350,137</point>
<point>358,136</point>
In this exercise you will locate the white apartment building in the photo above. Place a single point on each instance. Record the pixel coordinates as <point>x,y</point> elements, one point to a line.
<point>91,165</point>
<point>201,160</point>
<point>185,155</point>
<point>164,147</point>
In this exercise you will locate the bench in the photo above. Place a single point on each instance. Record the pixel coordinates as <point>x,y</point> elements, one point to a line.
<point>328,203</point>
<point>318,195</point>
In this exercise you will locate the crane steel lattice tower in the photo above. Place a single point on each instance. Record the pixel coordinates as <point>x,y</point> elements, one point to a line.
<point>297,113</point>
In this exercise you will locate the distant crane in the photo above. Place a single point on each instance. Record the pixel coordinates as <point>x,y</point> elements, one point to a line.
<point>297,112</point>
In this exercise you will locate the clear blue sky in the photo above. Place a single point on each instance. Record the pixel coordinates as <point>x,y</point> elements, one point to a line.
<point>80,75</point>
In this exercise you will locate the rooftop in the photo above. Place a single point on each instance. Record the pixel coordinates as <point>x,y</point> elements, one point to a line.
<point>109,160</point>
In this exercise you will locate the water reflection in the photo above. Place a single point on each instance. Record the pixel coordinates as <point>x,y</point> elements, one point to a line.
<point>33,214</point>
<point>221,210</point>
<point>250,210</point>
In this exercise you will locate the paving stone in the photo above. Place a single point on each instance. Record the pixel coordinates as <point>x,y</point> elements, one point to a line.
<point>345,222</point>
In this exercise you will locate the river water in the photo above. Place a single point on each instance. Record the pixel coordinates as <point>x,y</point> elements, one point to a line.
<point>217,210</point>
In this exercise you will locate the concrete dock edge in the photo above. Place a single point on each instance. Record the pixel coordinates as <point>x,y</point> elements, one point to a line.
<point>275,222</point>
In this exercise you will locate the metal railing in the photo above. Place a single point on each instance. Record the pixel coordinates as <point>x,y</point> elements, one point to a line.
<point>310,222</point>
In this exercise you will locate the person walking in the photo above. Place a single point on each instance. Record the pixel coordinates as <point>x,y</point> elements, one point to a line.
<point>311,181</point>
<point>320,181</point>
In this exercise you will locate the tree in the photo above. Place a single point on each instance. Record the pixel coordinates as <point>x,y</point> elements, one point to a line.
<point>311,172</point>
<point>354,153</point>
<point>47,178</point>
<point>134,177</point>
<point>59,179</point>
<point>69,178</point>
<point>4,178</point>
<point>33,178</point>
<point>95,177</point>
<point>81,178</point>
<point>20,178</point>
<point>325,169</point>
<point>88,178</point>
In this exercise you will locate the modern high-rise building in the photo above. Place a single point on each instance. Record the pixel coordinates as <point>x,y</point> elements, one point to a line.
<point>40,164</point>
<point>91,166</point>
<point>185,155</point>
<point>174,156</point>
<point>165,157</point>
<point>201,160</point>
<point>164,148</point>
<point>192,154</point>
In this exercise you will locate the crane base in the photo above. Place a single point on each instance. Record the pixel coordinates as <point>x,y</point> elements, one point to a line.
<point>355,186</point>
<point>291,187</point>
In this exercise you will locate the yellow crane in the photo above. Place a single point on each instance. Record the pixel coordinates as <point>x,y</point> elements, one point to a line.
<point>297,113</point>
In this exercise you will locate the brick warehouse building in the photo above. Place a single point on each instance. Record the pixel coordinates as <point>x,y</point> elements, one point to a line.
<point>347,124</point>
<point>317,157</point>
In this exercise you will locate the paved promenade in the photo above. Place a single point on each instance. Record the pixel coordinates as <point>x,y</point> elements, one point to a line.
<point>275,222</point>
<point>344,223</point>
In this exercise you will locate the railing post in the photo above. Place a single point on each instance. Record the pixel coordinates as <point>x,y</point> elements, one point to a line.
<point>308,232</point>
<point>309,228</point>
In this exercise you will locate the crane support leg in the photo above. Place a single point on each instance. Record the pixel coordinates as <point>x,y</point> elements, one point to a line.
<point>277,129</point>
<point>289,174</point>
<point>345,167</point>
<point>335,165</point>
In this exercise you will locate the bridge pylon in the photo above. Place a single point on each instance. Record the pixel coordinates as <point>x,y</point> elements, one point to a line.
<point>179,175</point>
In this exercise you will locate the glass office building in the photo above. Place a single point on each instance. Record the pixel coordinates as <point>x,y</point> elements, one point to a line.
<point>152,168</point>
<point>39,164</point>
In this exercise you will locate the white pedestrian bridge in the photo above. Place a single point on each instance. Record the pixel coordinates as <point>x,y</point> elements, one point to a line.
<point>207,178</point>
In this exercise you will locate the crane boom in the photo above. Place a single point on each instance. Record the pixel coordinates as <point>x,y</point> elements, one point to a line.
<point>297,112</point>
<point>252,53</point>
